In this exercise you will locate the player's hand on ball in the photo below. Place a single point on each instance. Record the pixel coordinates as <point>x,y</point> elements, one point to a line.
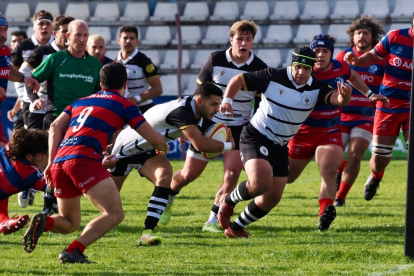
<point>163,152</point>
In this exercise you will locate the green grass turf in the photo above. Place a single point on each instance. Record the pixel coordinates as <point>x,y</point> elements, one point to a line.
<point>367,238</point>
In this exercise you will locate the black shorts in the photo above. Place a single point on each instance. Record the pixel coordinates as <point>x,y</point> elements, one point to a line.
<point>254,145</point>
<point>48,120</point>
<point>19,121</point>
<point>25,113</point>
<point>144,108</point>
<point>125,165</point>
<point>35,120</point>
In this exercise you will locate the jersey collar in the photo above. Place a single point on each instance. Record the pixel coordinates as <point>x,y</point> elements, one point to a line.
<point>124,61</point>
<point>54,46</point>
<point>289,74</point>
<point>111,90</point>
<point>238,65</point>
<point>36,43</point>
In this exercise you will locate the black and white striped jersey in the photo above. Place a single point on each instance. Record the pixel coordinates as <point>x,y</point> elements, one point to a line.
<point>20,54</point>
<point>285,105</point>
<point>169,119</point>
<point>139,69</point>
<point>219,69</point>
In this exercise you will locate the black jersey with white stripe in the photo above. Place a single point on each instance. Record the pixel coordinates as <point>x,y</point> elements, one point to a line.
<point>139,69</point>
<point>219,69</point>
<point>169,119</point>
<point>285,105</point>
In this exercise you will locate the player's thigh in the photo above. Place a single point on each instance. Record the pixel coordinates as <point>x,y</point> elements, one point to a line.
<point>70,209</point>
<point>105,196</point>
<point>296,167</point>
<point>328,158</point>
<point>157,169</point>
<point>232,161</point>
<point>259,172</point>
<point>119,181</point>
<point>193,167</point>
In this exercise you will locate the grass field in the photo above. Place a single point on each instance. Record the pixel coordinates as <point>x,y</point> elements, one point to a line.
<point>367,238</point>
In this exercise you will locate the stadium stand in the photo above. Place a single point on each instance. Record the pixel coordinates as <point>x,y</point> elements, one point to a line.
<point>105,13</point>
<point>135,13</point>
<point>195,11</point>
<point>78,10</point>
<point>225,11</point>
<point>17,12</point>
<point>256,11</point>
<point>285,12</point>
<point>271,57</point>
<point>171,60</point>
<point>190,35</point>
<point>339,32</point>
<point>345,12</point>
<point>191,84</point>
<point>377,8</point>
<point>306,33</point>
<point>103,31</point>
<point>280,35</point>
<point>315,12</point>
<point>164,12</point>
<point>157,35</point>
<point>200,58</point>
<point>216,35</point>
<point>403,11</point>
<point>53,8</point>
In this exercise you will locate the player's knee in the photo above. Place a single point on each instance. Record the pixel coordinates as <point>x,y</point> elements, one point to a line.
<point>231,177</point>
<point>259,187</point>
<point>355,156</point>
<point>188,176</point>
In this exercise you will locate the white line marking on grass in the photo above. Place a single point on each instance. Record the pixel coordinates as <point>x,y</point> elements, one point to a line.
<point>394,270</point>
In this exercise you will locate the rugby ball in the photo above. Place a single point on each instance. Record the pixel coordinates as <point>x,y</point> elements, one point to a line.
<point>218,132</point>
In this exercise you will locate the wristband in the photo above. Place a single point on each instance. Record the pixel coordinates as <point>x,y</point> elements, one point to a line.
<point>227,100</point>
<point>22,78</point>
<point>138,98</point>
<point>370,94</point>
<point>227,146</point>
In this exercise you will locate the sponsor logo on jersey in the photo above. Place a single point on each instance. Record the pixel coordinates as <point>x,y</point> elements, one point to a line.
<point>399,50</point>
<point>222,73</point>
<point>367,78</point>
<point>398,63</point>
<point>150,68</point>
<point>5,72</point>
<point>339,79</point>
<point>281,91</point>
<point>77,76</point>
<point>372,69</point>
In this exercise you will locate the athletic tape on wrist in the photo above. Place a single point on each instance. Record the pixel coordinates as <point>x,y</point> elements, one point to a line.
<point>227,146</point>
<point>227,100</point>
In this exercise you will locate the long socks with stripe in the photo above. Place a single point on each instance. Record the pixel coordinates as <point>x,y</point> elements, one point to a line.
<point>156,207</point>
<point>251,213</point>
<point>240,193</point>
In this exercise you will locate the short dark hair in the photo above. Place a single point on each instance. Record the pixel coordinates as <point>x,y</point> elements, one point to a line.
<point>207,89</point>
<point>366,22</point>
<point>113,75</point>
<point>20,33</point>
<point>27,141</point>
<point>128,29</point>
<point>42,14</point>
<point>60,20</point>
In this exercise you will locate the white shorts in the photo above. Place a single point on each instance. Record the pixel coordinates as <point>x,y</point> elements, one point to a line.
<point>356,132</point>
<point>196,155</point>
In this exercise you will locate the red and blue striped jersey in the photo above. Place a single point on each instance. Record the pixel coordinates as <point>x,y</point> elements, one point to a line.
<point>324,117</point>
<point>397,48</point>
<point>361,109</point>
<point>94,120</point>
<point>18,175</point>
<point>5,55</point>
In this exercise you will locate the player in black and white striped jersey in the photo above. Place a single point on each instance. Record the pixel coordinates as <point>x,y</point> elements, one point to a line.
<point>288,97</point>
<point>144,83</point>
<point>219,68</point>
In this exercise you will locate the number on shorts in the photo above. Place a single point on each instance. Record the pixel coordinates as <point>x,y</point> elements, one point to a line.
<point>82,118</point>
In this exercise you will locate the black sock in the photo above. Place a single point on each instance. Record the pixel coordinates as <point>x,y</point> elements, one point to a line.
<point>251,213</point>
<point>215,209</point>
<point>171,192</point>
<point>239,194</point>
<point>156,207</point>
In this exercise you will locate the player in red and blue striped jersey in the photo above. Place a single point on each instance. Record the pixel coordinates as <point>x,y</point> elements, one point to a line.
<point>357,118</point>
<point>75,163</point>
<point>397,49</point>
<point>21,163</point>
<point>320,135</point>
